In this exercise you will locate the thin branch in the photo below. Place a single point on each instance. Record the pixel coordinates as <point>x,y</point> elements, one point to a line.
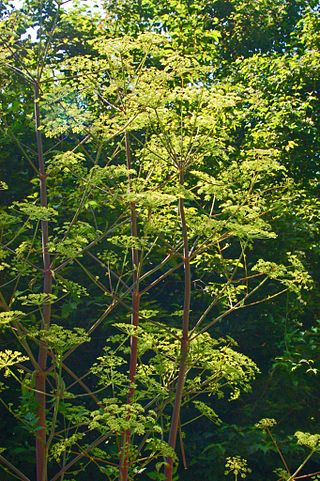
<point>12,468</point>
<point>284,462</point>
<point>66,468</point>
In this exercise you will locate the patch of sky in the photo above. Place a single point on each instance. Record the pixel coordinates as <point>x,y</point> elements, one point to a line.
<point>31,32</point>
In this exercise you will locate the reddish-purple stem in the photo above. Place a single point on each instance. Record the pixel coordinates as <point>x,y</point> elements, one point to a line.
<point>41,449</point>
<point>184,346</point>
<point>124,460</point>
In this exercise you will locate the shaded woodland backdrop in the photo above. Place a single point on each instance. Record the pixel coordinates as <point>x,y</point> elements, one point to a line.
<point>159,240</point>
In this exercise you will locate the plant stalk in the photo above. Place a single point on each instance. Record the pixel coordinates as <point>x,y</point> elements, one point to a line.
<point>184,346</point>
<point>41,454</point>
<point>297,471</point>
<point>135,299</point>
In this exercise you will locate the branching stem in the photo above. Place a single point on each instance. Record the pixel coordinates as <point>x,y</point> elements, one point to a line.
<point>136,295</point>
<point>184,346</point>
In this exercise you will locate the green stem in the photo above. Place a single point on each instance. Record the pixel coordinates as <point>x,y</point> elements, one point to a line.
<point>301,466</point>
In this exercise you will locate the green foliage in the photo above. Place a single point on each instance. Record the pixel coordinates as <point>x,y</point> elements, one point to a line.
<point>118,418</point>
<point>311,441</point>
<point>237,466</point>
<point>266,423</point>
<point>58,449</point>
<point>60,339</point>
<point>37,299</point>
<point>10,358</point>
<point>295,279</point>
<point>35,212</point>
<point>207,411</point>
<point>7,318</point>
